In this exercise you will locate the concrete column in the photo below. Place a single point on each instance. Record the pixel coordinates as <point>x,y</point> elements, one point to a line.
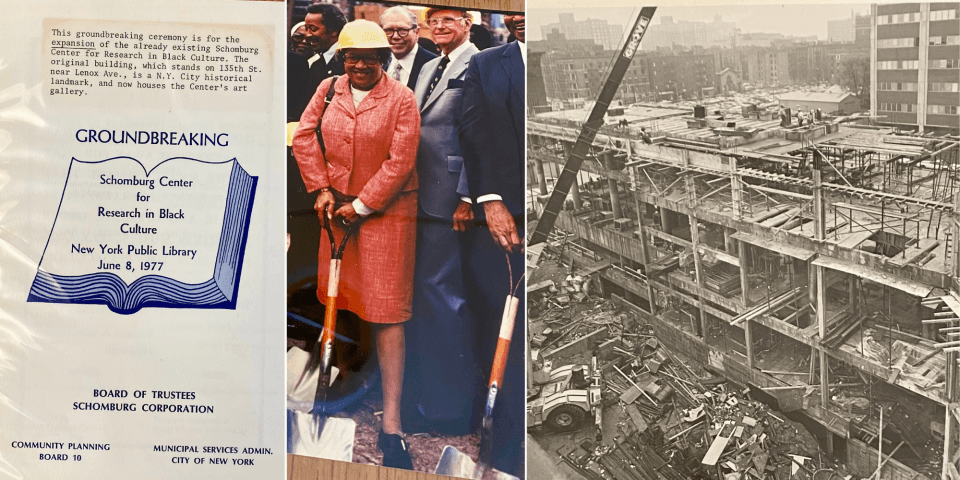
<point>575,193</point>
<point>824,379</point>
<point>949,438</point>
<point>697,265</point>
<point>950,422</point>
<point>821,302</point>
<point>854,298</point>
<point>612,183</point>
<point>922,82</point>
<point>819,210</point>
<point>644,252</point>
<point>819,231</point>
<point>614,197</point>
<point>667,220</point>
<point>748,341</point>
<point>541,176</point>
<point>575,187</point>
<point>735,190</point>
<point>873,59</point>
<point>744,281</point>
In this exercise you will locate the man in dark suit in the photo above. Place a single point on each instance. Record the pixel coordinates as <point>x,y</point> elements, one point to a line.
<point>323,24</point>
<point>298,73</point>
<point>442,330</point>
<point>407,59</point>
<point>492,141</point>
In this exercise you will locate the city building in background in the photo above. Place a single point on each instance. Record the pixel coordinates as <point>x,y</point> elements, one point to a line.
<point>602,33</point>
<point>915,66</point>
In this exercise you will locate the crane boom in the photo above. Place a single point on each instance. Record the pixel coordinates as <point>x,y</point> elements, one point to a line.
<point>589,130</point>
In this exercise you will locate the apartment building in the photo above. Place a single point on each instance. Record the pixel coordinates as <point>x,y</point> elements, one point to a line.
<point>915,66</point>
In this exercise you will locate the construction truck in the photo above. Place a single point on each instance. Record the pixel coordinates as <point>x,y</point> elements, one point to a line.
<point>566,398</point>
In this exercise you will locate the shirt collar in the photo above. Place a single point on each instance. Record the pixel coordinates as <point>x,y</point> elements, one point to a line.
<point>407,61</point>
<point>330,52</point>
<point>523,51</point>
<point>459,51</point>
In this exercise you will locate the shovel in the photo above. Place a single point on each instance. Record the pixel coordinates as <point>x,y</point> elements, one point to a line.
<point>455,463</point>
<point>322,354</point>
<point>452,461</point>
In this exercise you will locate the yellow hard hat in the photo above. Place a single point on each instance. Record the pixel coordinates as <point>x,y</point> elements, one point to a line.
<point>362,34</point>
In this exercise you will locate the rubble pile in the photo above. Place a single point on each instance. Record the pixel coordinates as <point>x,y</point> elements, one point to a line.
<point>615,403</point>
<point>675,423</point>
<point>708,429</point>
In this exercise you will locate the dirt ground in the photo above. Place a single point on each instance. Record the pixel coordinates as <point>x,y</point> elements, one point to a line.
<point>424,448</point>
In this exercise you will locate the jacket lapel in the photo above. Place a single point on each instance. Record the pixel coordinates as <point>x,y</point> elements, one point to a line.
<point>375,96</point>
<point>343,97</point>
<point>420,91</point>
<point>512,64</point>
<point>456,69</point>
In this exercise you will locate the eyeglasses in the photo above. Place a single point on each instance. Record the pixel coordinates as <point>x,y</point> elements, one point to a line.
<point>355,59</point>
<point>445,21</point>
<point>403,32</point>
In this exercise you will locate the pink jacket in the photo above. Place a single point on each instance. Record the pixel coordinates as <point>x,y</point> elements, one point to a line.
<point>361,160</point>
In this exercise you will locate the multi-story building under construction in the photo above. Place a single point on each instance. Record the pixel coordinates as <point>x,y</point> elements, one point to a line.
<point>817,264</point>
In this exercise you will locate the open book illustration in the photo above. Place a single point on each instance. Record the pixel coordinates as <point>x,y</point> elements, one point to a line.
<point>128,238</point>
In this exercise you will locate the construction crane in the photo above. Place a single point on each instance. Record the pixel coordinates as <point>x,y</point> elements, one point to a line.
<point>589,130</point>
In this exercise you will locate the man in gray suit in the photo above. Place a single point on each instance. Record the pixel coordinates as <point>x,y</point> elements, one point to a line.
<point>442,376</point>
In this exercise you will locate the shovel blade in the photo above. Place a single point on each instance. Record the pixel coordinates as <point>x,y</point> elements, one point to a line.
<point>455,463</point>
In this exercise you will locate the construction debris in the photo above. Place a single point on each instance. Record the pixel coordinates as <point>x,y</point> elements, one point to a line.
<point>614,401</point>
<point>675,423</point>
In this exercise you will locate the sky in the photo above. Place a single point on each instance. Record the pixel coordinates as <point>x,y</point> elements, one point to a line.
<point>796,20</point>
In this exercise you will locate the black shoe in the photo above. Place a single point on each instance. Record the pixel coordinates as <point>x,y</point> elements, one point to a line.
<point>395,451</point>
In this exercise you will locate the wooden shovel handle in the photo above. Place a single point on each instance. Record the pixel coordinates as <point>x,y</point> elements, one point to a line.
<point>503,343</point>
<point>330,315</point>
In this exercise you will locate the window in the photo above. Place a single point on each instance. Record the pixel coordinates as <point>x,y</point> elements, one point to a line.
<point>898,42</point>
<point>898,65</point>
<point>897,107</point>
<point>944,87</point>
<point>940,64</point>
<point>945,40</point>
<point>898,18</point>
<point>898,86</point>
<point>942,109</point>
<point>943,15</point>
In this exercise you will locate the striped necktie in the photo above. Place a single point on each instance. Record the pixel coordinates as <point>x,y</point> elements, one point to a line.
<point>436,76</point>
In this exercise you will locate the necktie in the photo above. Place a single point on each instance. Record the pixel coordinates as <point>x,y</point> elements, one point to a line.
<point>436,76</point>
<point>396,72</point>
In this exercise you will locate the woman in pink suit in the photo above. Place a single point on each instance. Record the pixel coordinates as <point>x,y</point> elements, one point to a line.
<point>370,129</point>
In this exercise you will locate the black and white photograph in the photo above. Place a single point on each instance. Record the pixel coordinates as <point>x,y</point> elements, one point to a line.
<point>742,241</point>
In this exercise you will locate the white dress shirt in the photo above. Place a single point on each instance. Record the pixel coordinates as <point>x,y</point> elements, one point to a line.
<point>327,56</point>
<point>406,64</point>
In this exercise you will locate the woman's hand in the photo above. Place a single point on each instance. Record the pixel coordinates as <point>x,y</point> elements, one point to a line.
<point>347,214</point>
<point>325,204</point>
